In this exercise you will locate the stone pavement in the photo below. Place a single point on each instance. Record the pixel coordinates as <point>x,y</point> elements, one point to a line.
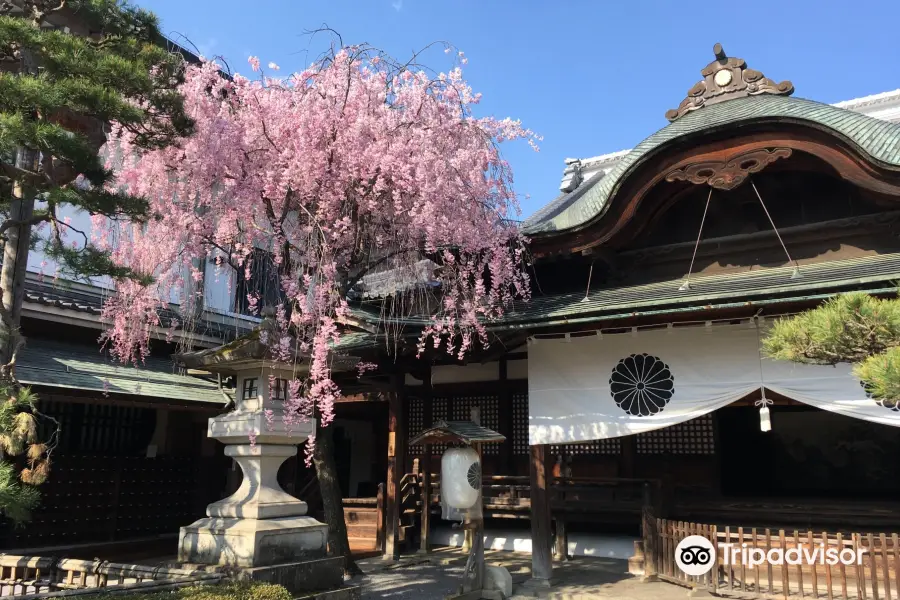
<point>439,575</point>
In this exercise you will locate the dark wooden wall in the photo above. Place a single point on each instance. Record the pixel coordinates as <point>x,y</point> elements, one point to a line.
<point>103,486</point>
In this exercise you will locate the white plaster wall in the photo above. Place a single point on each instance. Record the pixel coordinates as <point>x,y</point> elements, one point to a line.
<point>517,369</point>
<point>218,290</point>
<point>884,106</point>
<point>39,263</point>
<point>467,373</point>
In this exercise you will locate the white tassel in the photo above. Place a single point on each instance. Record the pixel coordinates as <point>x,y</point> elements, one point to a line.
<point>765,419</point>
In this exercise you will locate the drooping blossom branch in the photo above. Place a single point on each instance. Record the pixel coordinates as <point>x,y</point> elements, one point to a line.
<point>356,163</point>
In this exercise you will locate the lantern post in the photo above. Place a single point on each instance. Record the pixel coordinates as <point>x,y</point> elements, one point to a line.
<point>461,498</point>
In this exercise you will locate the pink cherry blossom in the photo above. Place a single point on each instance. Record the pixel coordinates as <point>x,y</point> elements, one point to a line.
<point>356,163</point>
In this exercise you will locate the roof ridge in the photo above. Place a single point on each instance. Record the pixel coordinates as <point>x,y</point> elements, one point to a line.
<point>569,210</point>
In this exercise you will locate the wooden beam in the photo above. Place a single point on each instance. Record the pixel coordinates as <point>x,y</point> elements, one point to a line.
<point>541,538</point>
<point>396,453</point>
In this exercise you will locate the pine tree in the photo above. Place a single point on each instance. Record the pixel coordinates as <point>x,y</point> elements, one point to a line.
<point>68,69</point>
<point>18,436</point>
<point>851,328</point>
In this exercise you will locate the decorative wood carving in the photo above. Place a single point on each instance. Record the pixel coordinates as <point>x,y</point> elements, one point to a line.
<point>623,205</point>
<point>725,79</point>
<point>728,174</point>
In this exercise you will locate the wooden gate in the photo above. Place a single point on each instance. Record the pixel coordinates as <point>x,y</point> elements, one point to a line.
<point>874,575</point>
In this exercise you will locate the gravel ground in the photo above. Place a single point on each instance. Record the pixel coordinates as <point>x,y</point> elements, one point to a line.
<point>422,582</point>
<point>581,578</point>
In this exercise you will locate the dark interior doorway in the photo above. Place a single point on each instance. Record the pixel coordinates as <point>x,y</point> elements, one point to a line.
<point>809,452</point>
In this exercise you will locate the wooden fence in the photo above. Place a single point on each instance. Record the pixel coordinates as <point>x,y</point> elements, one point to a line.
<point>874,576</point>
<point>32,577</point>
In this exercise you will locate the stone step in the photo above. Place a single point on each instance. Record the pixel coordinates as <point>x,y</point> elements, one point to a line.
<point>362,531</point>
<point>362,544</point>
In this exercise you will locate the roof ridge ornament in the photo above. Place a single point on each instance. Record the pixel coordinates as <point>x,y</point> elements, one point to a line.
<point>724,79</point>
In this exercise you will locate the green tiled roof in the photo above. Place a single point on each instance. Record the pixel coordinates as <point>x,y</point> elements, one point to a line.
<point>83,367</point>
<point>743,286</point>
<point>879,139</point>
<point>869,272</point>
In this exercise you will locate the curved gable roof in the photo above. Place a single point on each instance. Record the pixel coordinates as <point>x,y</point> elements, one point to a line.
<point>878,139</point>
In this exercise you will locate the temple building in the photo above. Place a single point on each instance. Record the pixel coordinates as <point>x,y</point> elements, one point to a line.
<point>632,384</point>
<point>636,366</point>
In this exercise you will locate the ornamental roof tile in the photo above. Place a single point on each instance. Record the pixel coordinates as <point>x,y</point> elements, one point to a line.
<point>879,139</point>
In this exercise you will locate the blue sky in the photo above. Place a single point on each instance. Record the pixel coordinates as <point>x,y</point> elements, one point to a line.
<point>592,76</point>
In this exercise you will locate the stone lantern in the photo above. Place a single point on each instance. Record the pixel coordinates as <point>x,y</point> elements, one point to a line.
<point>260,527</point>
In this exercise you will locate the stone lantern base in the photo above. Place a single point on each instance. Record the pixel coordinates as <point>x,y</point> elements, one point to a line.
<point>252,542</point>
<point>260,532</point>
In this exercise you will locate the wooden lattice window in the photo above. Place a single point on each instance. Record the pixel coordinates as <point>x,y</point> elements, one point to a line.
<point>263,284</point>
<point>415,421</point>
<point>438,413</point>
<point>99,429</point>
<point>415,418</point>
<point>490,414</point>
<point>692,437</point>
<point>520,423</point>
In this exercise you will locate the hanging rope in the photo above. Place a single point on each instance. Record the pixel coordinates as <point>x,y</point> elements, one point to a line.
<point>587,292</point>
<point>796,272</point>
<point>764,401</point>
<point>765,420</point>
<point>687,280</point>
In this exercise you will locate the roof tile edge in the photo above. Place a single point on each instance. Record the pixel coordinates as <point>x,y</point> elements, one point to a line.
<point>610,159</point>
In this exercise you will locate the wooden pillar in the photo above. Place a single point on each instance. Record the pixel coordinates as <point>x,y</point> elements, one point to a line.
<point>473,578</point>
<point>541,538</point>
<point>379,518</point>
<point>425,522</point>
<point>427,465</point>
<point>505,458</point>
<point>396,453</point>
<point>562,541</point>
<point>650,535</point>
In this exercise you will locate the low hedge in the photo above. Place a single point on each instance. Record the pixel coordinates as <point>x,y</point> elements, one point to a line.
<point>225,591</point>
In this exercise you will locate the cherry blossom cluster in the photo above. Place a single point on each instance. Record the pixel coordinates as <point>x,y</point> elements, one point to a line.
<point>356,164</point>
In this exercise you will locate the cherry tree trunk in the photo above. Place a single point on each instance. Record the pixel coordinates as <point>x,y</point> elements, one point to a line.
<point>332,501</point>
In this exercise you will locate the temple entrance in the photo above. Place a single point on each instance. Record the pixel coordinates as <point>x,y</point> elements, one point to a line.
<point>808,453</point>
